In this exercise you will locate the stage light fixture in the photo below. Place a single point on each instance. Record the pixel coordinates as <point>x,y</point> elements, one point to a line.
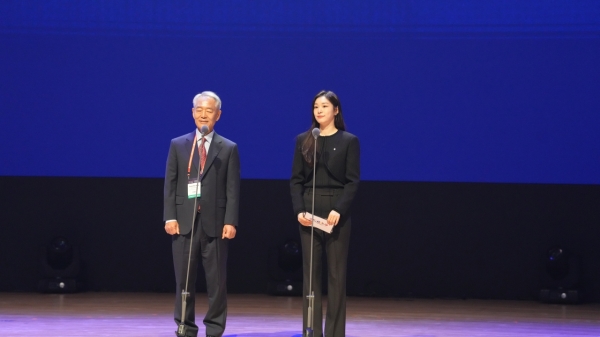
<point>560,283</point>
<point>60,267</point>
<point>290,256</point>
<point>285,272</point>
<point>557,263</point>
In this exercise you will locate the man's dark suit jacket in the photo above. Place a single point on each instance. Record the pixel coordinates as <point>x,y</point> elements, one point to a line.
<point>219,200</point>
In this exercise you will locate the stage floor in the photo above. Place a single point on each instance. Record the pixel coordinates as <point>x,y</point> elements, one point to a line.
<point>150,314</point>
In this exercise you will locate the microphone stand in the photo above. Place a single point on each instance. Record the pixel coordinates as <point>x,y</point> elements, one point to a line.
<point>311,295</point>
<point>182,328</point>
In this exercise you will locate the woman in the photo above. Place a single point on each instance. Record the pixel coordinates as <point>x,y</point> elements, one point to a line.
<point>336,181</point>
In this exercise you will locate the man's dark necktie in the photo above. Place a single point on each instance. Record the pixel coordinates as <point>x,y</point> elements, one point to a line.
<point>202,154</point>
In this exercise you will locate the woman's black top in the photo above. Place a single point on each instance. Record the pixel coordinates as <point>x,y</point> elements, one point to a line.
<point>338,166</point>
<point>324,178</point>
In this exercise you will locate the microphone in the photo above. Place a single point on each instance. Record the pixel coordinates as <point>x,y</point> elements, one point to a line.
<point>204,130</point>
<point>316,132</point>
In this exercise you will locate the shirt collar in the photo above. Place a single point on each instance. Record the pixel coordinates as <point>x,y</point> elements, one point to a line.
<point>208,137</point>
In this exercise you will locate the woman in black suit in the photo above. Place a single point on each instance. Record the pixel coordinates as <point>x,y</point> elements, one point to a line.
<point>336,181</point>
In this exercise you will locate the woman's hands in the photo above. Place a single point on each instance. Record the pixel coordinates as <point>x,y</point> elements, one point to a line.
<point>333,219</point>
<point>304,221</point>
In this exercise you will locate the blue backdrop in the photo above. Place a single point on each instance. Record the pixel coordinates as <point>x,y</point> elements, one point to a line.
<point>436,90</point>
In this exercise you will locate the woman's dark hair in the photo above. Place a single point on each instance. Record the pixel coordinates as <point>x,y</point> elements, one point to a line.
<point>309,141</point>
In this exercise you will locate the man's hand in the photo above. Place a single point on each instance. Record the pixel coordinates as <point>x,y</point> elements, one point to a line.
<point>303,221</point>
<point>228,232</point>
<point>334,218</point>
<point>172,227</point>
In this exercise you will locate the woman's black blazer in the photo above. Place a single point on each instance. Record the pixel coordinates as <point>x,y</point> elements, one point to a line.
<point>341,156</point>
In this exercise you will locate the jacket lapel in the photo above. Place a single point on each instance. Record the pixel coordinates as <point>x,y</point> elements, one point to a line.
<point>213,151</point>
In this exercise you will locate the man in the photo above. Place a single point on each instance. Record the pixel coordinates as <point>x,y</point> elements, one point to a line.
<point>208,200</point>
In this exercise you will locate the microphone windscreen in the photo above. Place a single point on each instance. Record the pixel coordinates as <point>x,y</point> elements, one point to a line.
<point>204,129</point>
<point>316,132</point>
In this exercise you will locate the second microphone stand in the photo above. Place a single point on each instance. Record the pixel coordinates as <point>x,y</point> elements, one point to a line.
<point>311,295</point>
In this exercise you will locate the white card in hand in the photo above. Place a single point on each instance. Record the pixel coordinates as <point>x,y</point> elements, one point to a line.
<point>320,223</point>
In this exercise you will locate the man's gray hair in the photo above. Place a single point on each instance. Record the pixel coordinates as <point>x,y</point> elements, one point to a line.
<point>207,94</point>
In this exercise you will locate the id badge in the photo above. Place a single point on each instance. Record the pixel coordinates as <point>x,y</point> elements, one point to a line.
<point>194,188</point>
